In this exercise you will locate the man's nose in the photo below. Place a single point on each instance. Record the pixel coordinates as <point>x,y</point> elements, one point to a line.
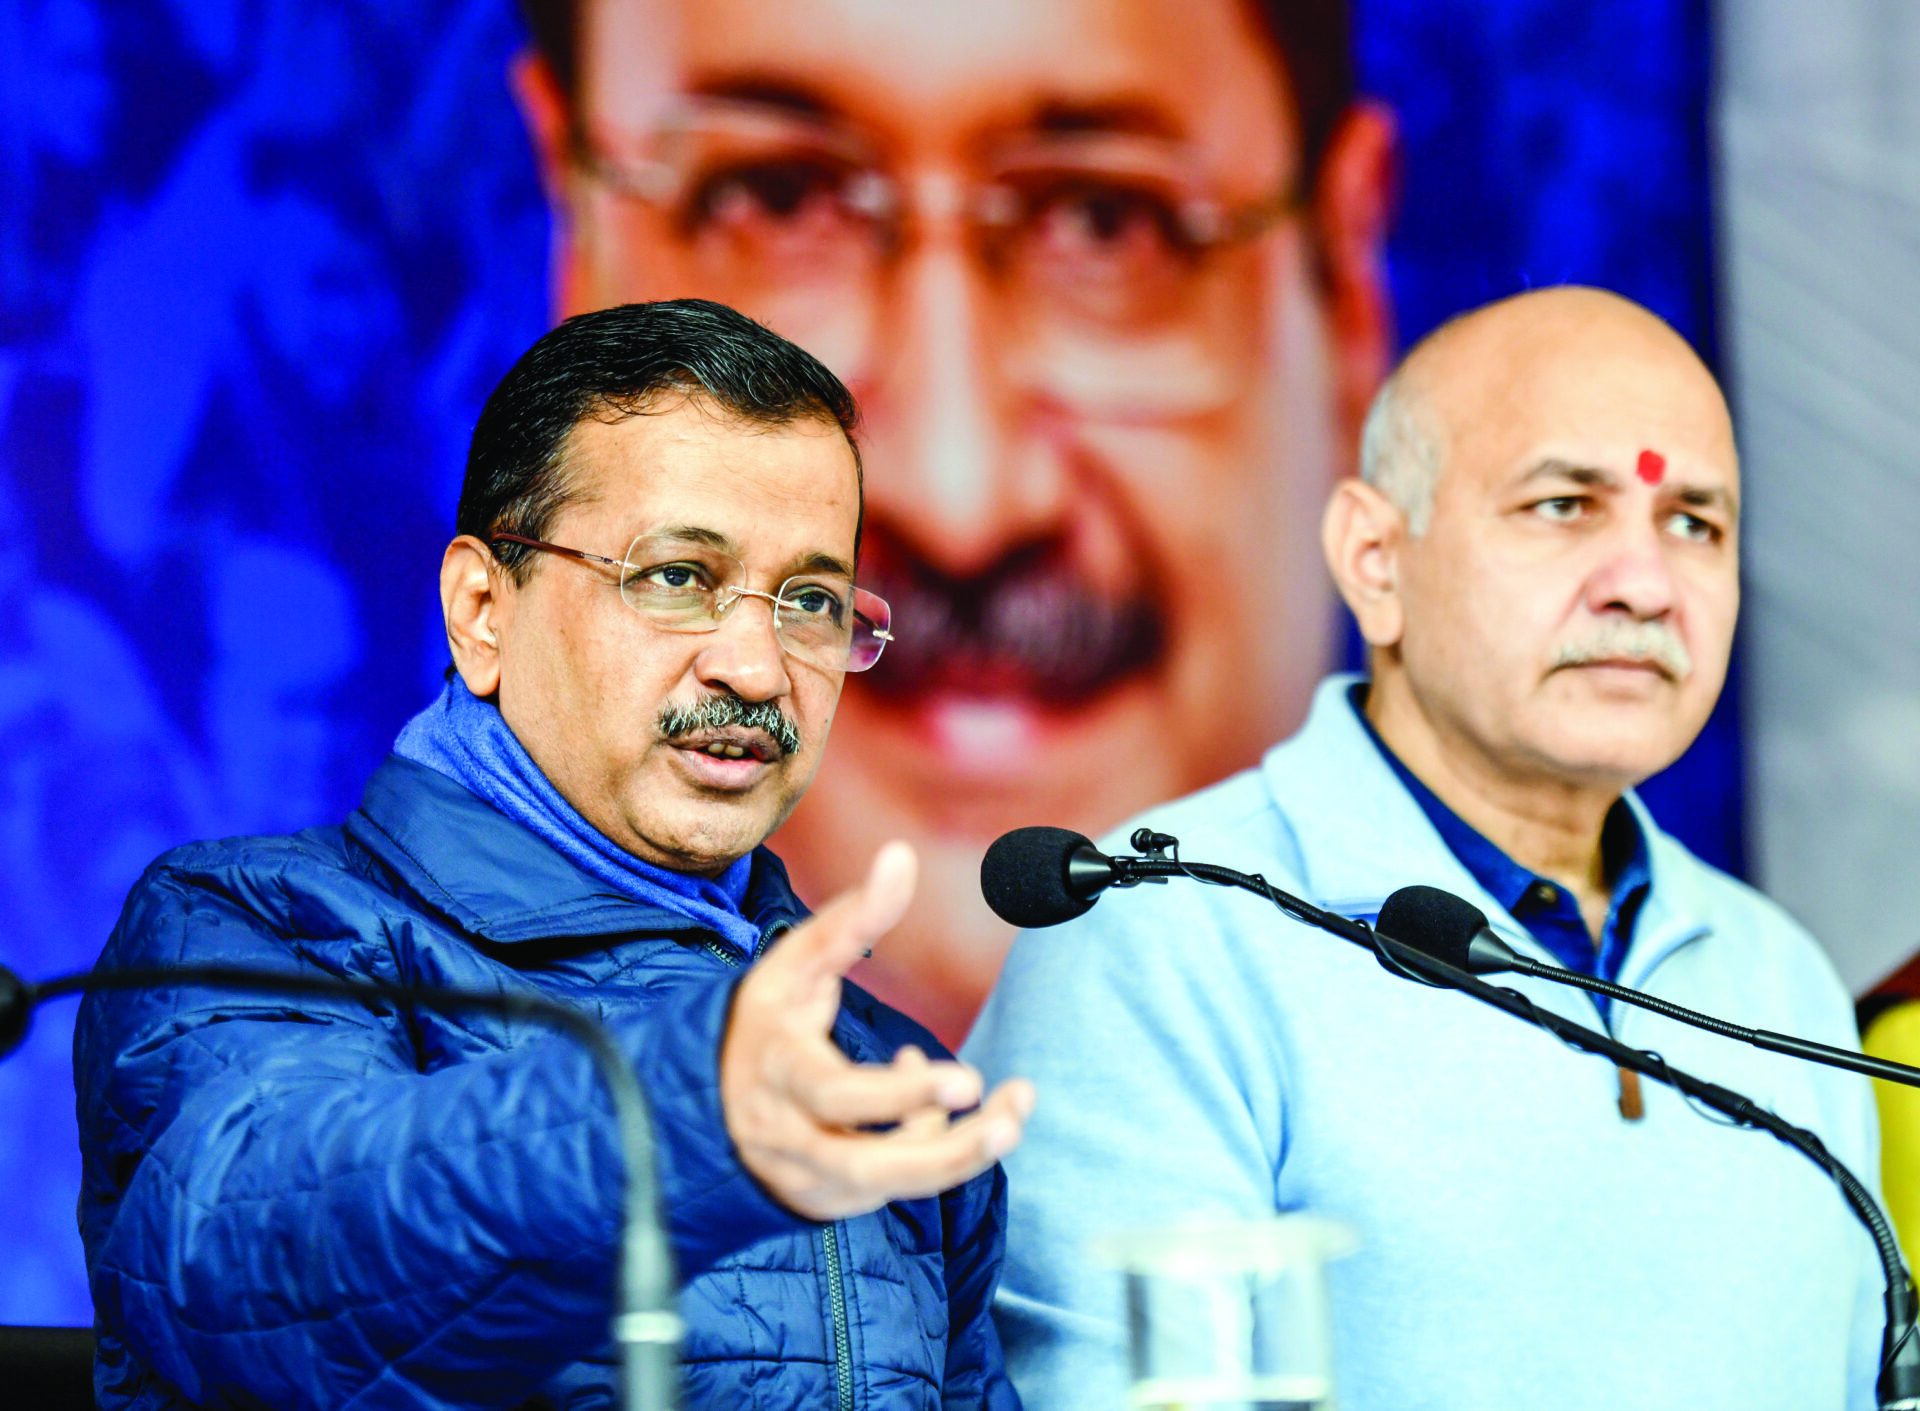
<point>960,463</point>
<point>1635,574</point>
<point>743,654</point>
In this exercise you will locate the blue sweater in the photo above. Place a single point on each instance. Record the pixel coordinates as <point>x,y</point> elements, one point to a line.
<point>305,1204</point>
<point>1523,1247</point>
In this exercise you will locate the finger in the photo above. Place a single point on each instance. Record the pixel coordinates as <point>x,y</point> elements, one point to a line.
<point>837,936</point>
<point>908,1164</point>
<point>927,1121</point>
<point>836,1092</point>
<point>1019,1095</point>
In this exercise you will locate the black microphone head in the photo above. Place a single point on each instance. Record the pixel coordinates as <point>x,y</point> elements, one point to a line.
<point>1433,922</point>
<point>1024,876</point>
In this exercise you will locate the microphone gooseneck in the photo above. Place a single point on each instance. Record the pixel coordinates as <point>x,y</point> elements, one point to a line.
<point>1899,1381</point>
<point>1454,930</point>
<point>647,1326</point>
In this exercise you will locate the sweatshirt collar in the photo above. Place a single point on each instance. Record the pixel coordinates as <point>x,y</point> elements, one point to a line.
<point>1360,836</point>
<point>1549,914</point>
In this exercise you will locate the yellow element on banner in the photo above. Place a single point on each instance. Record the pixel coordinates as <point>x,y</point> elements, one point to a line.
<point>1895,1035</point>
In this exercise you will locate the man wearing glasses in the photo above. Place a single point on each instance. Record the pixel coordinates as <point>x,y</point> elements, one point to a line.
<point>1105,277</point>
<point>651,608</point>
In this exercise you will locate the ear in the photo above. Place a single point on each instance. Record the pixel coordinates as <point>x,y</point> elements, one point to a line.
<point>544,109</point>
<point>1363,533</point>
<point>1353,202</point>
<point>548,113</point>
<point>473,608</point>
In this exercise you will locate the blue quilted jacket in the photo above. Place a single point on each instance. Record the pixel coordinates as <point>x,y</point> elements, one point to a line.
<point>335,1205</point>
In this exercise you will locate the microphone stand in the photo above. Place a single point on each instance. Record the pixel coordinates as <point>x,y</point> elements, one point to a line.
<point>1899,1381</point>
<point>647,1326</point>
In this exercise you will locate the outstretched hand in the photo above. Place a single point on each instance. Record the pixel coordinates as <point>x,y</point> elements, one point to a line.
<point>796,1106</point>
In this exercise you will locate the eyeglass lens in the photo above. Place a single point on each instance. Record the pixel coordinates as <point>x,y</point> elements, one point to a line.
<point>684,585</point>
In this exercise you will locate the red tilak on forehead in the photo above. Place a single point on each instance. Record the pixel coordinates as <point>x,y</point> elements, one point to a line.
<point>1652,466</point>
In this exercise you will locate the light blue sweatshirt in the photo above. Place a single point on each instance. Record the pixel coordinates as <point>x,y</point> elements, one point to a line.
<point>1524,1247</point>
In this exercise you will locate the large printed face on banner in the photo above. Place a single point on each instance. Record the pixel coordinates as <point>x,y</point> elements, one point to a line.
<point>260,265</point>
<point>1111,343</point>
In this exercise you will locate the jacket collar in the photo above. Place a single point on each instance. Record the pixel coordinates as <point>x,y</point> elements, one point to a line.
<point>498,882</point>
<point>1361,836</point>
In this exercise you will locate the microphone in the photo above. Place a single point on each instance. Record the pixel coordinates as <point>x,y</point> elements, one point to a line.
<point>1454,930</point>
<point>1070,873</point>
<point>1035,877</point>
<point>647,1325</point>
<point>1448,928</point>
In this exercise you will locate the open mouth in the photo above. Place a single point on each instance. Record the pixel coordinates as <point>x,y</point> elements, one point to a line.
<point>734,746</point>
<point>729,761</point>
<point>1031,626</point>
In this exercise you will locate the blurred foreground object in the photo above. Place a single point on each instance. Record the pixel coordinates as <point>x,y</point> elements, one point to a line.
<point>1890,1028</point>
<point>1229,1313</point>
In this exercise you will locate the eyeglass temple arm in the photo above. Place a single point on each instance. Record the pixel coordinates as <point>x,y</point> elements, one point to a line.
<point>541,544</point>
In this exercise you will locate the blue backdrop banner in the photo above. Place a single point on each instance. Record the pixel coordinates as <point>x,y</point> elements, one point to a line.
<point>260,263</point>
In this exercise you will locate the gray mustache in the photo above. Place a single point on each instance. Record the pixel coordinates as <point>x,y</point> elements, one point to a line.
<point>1634,641</point>
<point>727,712</point>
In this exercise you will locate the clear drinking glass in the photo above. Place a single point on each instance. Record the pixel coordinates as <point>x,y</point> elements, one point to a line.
<point>1229,1315</point>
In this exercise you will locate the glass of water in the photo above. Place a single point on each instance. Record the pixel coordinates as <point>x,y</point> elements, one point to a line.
<point>1229,1315</point>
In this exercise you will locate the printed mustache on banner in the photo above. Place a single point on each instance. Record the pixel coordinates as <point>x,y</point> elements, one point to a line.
<point>676,722</point>
<point>1651,641</point>
<point>1030,623</point>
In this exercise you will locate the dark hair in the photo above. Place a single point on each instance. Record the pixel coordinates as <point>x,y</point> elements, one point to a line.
<point>1314,39</point>
<point>620,362</point>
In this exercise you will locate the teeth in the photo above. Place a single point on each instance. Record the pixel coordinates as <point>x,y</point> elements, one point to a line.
<point>720,749</point>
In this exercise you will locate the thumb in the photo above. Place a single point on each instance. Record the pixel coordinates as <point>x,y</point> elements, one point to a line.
<point>888,890</point>
<point>845,929</point>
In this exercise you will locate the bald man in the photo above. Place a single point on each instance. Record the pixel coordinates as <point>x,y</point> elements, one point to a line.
<point>1542,554</point>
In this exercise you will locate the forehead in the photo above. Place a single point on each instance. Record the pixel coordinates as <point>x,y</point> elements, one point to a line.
<point>1599,406</point>
<point>934,69</point>
<point>776,491</point>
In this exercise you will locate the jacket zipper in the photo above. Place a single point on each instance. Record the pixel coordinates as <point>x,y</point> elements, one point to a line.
<point>837,1301</point>
<point>733,958</point>
<point>829,1234</point>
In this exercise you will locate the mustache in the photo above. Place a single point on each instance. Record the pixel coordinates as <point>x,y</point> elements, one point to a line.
<point>1630,641</point>
<point>1030,622</point>
<point>729,712</point>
